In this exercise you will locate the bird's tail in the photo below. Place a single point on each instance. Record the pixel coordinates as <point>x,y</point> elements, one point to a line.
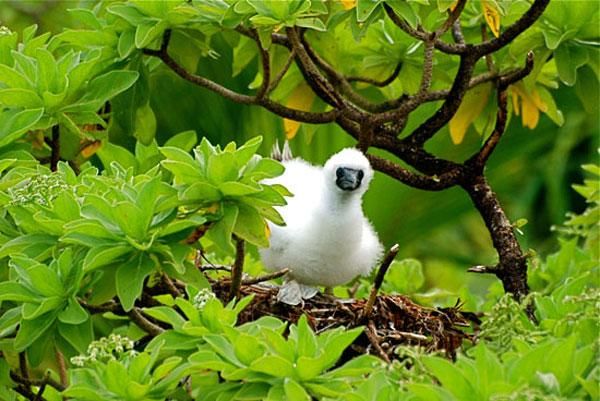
<point>282,154</point>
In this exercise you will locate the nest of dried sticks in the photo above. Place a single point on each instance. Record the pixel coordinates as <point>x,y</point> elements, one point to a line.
<point>389,320</point>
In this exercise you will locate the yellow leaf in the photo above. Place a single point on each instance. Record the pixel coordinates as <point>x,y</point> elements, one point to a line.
<point>348,4</point>
<point>90,149</point>
<point>528,104</point>
<point>301,98</point>
<point>267,231</point>
<point>472,105</point>
<point>492,16</point>
<point>213,208</point>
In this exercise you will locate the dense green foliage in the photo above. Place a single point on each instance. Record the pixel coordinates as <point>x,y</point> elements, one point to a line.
<point>112,225</point>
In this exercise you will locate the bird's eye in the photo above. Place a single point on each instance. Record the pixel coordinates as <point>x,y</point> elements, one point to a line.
<point>360,174</point>
<point>339,172</point>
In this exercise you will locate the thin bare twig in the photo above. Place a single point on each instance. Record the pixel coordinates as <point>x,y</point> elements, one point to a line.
<point>238,268</point>
<point>371,333</point>
<point>374,82</point>
<point>33,382</point>
<point>137,316</point>
<point>483,269</point>
<point>265,277</point>
<point>282,72</point>
<point>266,71</point>
<point>385,265</point>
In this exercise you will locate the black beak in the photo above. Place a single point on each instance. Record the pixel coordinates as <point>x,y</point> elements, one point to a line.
<point>348,179</point>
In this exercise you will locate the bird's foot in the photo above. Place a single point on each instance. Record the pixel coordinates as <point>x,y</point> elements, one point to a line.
<point>293,293</point>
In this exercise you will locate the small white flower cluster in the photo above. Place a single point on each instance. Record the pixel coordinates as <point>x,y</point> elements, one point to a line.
<point>105,349</point>
<point>202,297</point>
<point>4,30</point>
<point>40,189</point>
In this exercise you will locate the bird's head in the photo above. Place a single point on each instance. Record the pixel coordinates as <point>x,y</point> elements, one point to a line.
<point>348,171</point>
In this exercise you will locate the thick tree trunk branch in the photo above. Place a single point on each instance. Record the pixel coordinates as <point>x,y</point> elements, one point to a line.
<point>512,264</point>
<point>379,124</point>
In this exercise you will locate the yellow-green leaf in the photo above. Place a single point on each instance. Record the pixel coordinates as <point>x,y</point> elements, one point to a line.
<point>491,15</point>
<point>472,105</point>
<point>528,104</point>
<point>301,98</point>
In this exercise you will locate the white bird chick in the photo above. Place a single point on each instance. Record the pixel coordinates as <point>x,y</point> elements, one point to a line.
<point>327,240</point>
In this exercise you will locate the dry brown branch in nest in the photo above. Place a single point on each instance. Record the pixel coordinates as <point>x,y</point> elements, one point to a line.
<point>394,321</point>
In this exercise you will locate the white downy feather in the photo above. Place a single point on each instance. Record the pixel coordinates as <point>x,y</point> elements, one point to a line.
<point>327,240</point>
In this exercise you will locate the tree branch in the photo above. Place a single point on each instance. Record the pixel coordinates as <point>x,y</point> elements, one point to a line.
<point>137,316</point>
<point>418,33</point>
<point>460,85</point>
<point>279,109</point>
<point>429,183</point>
<point>383,268</point>
<point>526,20</point>
<point>374,82</point>
<point>238,268</point>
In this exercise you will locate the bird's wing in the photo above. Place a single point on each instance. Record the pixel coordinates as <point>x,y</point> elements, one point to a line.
<point>282,154</point>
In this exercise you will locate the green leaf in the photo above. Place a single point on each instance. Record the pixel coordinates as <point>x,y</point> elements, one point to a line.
<point>307,342</point>
<point>73,313</point>
<point>568,59</point>
<point>110,153</point>
<point>31,330</point>
<point>311,23</point>
<point>220,233</point>
<point>16,292</point>
<point>130,279</point>
<point>146,33</point>
<point>202,192</point>
<point>294,391</point>
<point>14,124</point>
<point>234,189</point>
<point>404,10</point>
<point>166,314</point>
<point>451,377</point>
<point>18,97</point>
<point>103,88</point>
<point>273,365</point>
<point>14,79</point>
<point>247,348</point>
<point>364,9</point>
<point>184,140</point>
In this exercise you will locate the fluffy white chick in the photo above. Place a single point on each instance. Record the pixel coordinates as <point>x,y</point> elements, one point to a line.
<point>327,240</point>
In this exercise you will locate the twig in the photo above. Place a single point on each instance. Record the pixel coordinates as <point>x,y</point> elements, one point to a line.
<point>457,33</point>
<point>34,382</point>
<point>23,365</point>
<point>170,286</point>
<point>374,82</point>
<point>138,318</point>
<point>110,306</point>
<point>405,334</point>
<point>222,268</point>
<point>427,67</point>
<point>62,367</point>
<point>237,268</point>
<point>482,269</point>
<point>385,264</point>
<point>449,48</point>
<point>266,69</point>
<point>277,108</point>
<point>371,333</point>
<point>282,72</point>
<point>265,277</point>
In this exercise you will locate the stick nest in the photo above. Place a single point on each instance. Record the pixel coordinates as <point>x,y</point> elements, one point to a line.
<point>394,321</point>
